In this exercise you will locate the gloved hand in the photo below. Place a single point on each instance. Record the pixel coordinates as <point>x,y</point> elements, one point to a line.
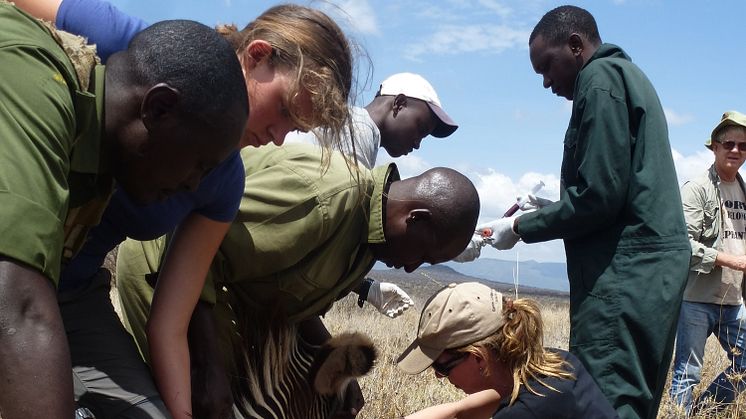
<point>388,298</point>
<point>532,202</point>
<point>473,249</point>
<point>502,233</point>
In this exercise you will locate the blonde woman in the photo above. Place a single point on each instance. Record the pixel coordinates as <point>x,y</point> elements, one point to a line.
<point>298,69</point>
<point>491,348</point>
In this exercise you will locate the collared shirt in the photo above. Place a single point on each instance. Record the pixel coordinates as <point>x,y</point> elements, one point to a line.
<point>703,212</point>
<point>301,237</point>
<point>91,183</point>
<point>51,131</point>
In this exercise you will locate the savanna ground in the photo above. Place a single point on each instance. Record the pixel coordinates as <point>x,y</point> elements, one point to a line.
<point>389,393</point>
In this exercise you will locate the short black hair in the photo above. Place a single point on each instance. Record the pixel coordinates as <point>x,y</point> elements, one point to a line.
<point>453,197</point>
<point>558,24</point>
<point>195,60</point>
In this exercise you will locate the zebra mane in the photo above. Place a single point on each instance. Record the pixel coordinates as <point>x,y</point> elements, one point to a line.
<point>278,374</point>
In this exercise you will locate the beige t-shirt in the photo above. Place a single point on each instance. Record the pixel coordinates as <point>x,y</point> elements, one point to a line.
<point>733,239</point>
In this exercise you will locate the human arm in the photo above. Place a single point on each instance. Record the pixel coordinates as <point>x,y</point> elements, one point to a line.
<point>37,127</point>
<point>179,285</point>
<point>596,169</point>
<point>32,345</point>
<point>474,406</point>
<point>41,9</point>
<point>702,223</point>
<point>98,21</point>
<point>388,298</point>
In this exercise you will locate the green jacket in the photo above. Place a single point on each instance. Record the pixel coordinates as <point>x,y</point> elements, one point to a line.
<point>704,221</point>
<point>618,182</point>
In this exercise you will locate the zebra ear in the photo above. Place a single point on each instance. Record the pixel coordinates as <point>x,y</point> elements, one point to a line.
<point>340,359</point>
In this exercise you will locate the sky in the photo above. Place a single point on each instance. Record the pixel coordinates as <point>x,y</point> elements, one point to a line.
<point>475,54</point>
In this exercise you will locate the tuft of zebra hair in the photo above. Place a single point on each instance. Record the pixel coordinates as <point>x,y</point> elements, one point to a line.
<point>340,360</point>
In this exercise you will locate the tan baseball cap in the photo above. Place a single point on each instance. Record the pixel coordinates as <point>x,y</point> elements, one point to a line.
<point>415,86</point>
<point>454,317</point>
<point>728,118</point>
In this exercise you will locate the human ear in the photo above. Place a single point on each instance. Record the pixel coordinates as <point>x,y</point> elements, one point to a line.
<point>400,102</point>
<point>159,101</point>
<point>258,50</point>
<point>575,42</point>
<point>420,214</point>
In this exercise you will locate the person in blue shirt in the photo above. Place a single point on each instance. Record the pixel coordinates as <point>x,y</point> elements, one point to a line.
<point>111,379</point>
<point>154,120</point>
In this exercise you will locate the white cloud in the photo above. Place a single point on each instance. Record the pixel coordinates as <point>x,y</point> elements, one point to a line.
<point>408,166</point>
<point>456,39</point>
<point>358,15</point>
<point>498,192</point>
<point>677,119</point>
<point>497,7</point>
<point>689,167</point>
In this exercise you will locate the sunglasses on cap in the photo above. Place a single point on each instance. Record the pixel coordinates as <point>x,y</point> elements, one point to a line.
<point>728,145</point>
<point>443,369</point>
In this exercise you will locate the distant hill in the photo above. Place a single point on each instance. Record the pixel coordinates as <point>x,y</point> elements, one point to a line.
<point>531,274</point>
<point>547,275</point>
<point>426,280</point>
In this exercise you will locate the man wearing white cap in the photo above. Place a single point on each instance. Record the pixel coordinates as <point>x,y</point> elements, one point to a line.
<point>491,348</point>
<point>715,214</point>
<point>405,110</point>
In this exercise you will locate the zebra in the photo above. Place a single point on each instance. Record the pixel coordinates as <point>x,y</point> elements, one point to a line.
<point>282,373</point>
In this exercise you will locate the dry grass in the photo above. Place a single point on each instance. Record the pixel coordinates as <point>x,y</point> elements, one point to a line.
<point>389,393</point>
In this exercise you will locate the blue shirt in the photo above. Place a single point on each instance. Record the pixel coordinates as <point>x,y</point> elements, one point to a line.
<point>217,196</point>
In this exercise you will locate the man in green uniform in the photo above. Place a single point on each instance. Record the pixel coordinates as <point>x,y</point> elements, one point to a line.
<point>160,124</point>
<point>305,237</point>
<point>619,212</point>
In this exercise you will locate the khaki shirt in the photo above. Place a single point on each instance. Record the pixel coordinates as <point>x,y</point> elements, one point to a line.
<point>704,221</point>
<point>300,239</point>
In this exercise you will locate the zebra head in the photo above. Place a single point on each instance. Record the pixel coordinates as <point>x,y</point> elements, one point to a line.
<point>281,375</point>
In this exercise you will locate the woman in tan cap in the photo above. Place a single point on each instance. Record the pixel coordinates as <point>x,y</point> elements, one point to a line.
<point>491,348</point>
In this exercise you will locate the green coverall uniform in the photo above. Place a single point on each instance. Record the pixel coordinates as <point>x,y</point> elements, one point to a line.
<point>625,239</point>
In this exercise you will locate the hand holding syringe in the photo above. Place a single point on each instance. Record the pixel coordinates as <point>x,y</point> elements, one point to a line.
<point>486,233</point>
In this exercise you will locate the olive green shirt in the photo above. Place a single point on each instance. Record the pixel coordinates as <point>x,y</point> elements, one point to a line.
<point>301,235</point>
<point>50,131</point>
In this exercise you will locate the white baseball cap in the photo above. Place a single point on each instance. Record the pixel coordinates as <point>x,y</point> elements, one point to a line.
<point>456,316</point>
<point>415,86</point>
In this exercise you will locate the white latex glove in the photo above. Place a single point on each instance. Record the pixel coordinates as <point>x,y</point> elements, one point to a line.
<point>503,237</point>
<point>388,298</point>
<point>532,202</point>
<point>473,249</point>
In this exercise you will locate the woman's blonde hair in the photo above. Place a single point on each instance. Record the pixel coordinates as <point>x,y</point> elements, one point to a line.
<point>519,343</point>
<point>309,43</point>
